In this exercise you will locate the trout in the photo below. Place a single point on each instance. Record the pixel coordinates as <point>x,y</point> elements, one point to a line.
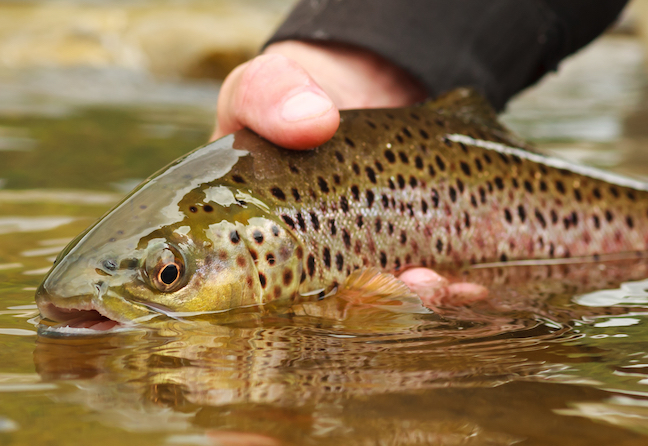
<point>241,222</point>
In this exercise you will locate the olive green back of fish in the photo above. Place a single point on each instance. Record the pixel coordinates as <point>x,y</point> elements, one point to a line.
<point>431,185</point>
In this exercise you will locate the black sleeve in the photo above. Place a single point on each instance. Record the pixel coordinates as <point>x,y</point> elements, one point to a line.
<point>496,46</point>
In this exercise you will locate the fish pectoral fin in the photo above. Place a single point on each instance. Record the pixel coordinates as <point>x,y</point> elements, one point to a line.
<point>372,288</point>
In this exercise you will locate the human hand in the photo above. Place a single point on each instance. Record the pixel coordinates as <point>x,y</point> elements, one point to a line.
<point>291,95</point>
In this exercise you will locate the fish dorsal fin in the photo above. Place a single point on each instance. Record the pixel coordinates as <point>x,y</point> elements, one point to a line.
<point>472,107</point>
<point>373,288</point>
<point>467,103</point>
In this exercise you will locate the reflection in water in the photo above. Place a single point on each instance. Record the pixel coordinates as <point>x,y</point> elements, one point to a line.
<point>378,377</point>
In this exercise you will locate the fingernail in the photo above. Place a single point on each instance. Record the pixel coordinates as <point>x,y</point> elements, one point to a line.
<point>306,105</point>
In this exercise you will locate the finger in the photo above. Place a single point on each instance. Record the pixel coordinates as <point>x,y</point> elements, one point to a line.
<point>431,287</point>
<point>276,98</point>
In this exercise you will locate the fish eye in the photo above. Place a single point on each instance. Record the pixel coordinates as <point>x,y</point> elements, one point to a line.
<point>165,269</point>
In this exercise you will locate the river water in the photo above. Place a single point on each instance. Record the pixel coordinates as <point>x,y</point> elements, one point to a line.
<point>559,356</point>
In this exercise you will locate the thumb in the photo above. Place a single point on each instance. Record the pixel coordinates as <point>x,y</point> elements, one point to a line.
<point>276,98</point>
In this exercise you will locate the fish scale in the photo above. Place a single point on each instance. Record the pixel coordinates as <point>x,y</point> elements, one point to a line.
<point>243,222</point>
<point>409,195</point>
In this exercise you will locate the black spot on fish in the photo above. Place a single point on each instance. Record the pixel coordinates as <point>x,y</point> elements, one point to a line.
<point>399,138</point>
<point>424,134</point>
<point>379,166</point>
<point>487,158</point>
<point>208,208</point>
<point>440,163</point>
<point>482,195</point>
<point>142,206</point>
<point>465,168</point>
<point>515,183</point>
<point>339,157</point>
<point>359,221</point>
<point>349,142</point>
<point>540,218</point>
<point>238,179</point>
<point>551,249</point>
<point>435,198</point>
<point>390,156</point>
<point>478,165</point>
<point>254,254</point>
<point>310,264</point>
<point>453,194</point>
<point>431,170</point>
<point>439,246</point>
<point>401,181</point>
<point>344,204</point>
<point>392,186</point>
<point>631,195</point>
<point>554,216</point>
<point>326,256</point>
<point>403,157</point>
<point>522,213</point>
<point>333,227</point>
<point>356,168</point>
<point>447,142</point>
<point>355,191</point>
<point>508,216</point>
<point>629,222</point>
<point>390,228</point>
<point>418,162</point>
<point>370,124</point>
<point>289,221</point>
<point>278,193</point>
<point>503,258</point>
<point>597,221</point>
<point>315,221</point>
<point>460,186</point>
<point>257,236</point>
<point>371,174</point>
<point>424,206</point>
<point>270,258</point>
<point>503,157</point>
<point>614,191</point>
<point>321,182</point>
<point>528,186</point>
<point>397,264</point>
<point>473,200</point>
<point>385,201</point>
<point>296,195</point>
<point>287,277</point>
<point>262,280</point>
<point>339,261</point>
<point>403,237</point>
<point>466,219</point>
<point>275,230</point>
<point>464,149</point>
<point>303,277</point>
<point>597,193</point>
<point>299,252</point>
<point>378,224</point>
<point>301,222</point>
<point>577,195</point>
<point>294,169</point>
<point>346,237</point>
<point>406,132</point>
<point>193,209</point>
<point>370,198</point>
<point>608,216</point>
<point>383,259</point>
<point>234,237</point>
<point>499,183</point>
<point>543,186</point>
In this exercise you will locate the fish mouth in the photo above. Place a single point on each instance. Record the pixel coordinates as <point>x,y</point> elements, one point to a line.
<point>84,319</point>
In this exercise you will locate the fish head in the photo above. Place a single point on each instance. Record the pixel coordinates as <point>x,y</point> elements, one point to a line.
<point>182,243</point>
